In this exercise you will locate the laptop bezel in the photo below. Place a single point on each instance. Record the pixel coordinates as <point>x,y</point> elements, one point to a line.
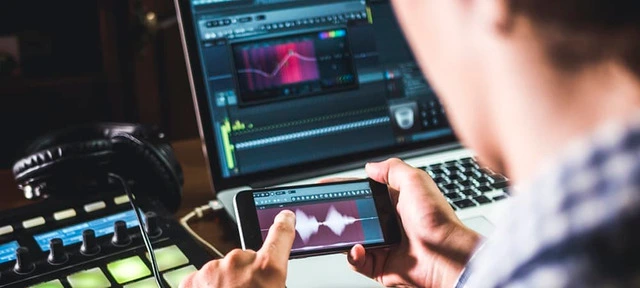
<point>270,177</point>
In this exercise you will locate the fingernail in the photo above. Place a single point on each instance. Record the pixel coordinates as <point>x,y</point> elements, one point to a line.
<point>286,216</point>
<point>350,259</point>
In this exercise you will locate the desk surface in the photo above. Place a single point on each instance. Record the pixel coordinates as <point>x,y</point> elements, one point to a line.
<point>196,192</point>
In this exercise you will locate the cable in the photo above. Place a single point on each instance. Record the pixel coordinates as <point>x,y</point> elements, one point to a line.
<point>145,237</point>
<point>199,213</point>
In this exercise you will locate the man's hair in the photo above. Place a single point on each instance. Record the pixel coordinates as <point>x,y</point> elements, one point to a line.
<point>581,32</point>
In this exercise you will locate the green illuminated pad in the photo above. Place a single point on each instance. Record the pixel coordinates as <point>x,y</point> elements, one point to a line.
<point>92,278</point>
<point>50,284</point>
<point>146,283</point>
<point>169,257</point>
<point>128,269</point>
<point>175,277</point>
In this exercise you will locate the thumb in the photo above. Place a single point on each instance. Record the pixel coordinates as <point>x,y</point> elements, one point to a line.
<point>361,261</point>
<point>277,245</point>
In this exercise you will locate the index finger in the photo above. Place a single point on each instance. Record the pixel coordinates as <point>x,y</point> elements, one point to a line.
<point>398,174</point>
<point>277,245</point>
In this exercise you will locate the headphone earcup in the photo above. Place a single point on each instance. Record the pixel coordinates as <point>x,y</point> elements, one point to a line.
<point>61,168</point>
<point>152,166</point>
<point>172,160</point>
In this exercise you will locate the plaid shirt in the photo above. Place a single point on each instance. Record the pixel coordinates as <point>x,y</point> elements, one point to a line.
<point>577,224</point>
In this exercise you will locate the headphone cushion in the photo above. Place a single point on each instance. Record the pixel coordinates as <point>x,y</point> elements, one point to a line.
<point>170,156</point>
<point>160,165</point>
<point>38,162</point>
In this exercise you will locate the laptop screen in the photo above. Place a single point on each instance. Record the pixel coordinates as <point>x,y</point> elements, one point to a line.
<point>291,82</point>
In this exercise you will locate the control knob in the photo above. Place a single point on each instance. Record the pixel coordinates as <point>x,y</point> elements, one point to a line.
<point>24,265</point>
<point>89,244</point>
<point>57,255</point>
<point>151,224</point>
<point>120,235</point>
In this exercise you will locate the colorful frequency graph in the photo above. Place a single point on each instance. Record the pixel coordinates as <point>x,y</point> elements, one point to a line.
<point>272,66</point>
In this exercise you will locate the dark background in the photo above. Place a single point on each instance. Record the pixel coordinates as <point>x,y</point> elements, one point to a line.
<point>83,61</point>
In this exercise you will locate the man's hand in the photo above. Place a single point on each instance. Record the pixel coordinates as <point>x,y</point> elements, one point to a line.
<point>265,268</point>
<point>435,245</point>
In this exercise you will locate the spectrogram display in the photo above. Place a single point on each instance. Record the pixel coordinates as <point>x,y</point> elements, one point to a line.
<point>292,66</point>
<point>266,67</point>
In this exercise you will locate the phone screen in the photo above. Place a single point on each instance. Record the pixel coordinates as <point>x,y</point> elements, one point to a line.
<point>328,216</point>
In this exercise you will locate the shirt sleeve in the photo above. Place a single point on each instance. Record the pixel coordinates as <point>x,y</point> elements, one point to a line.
<point>466,271</point>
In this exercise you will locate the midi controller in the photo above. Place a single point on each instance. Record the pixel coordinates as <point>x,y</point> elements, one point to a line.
<point>95,242</point>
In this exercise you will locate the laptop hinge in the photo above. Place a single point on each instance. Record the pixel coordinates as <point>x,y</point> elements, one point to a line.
<point>351,165</point>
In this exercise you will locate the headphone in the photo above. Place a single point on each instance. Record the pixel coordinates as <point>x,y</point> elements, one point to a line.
<point>75,162</point>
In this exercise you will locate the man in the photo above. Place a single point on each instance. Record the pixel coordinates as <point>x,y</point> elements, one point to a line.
<point>547,92</point>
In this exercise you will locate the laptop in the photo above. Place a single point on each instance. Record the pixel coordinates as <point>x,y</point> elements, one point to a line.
<point>289,92</point>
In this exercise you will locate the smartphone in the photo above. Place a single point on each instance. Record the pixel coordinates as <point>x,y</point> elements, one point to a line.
<point>330,218</point>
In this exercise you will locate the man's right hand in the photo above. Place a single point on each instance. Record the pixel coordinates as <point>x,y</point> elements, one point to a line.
<point>435,245</point>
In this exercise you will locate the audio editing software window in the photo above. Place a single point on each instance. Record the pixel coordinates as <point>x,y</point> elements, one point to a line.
<point>296,81</point>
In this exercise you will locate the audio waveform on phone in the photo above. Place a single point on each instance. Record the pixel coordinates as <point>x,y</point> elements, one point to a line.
<point>308,225</point>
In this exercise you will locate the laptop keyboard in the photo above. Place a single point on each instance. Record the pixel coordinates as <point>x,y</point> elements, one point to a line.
<point>465,183</point>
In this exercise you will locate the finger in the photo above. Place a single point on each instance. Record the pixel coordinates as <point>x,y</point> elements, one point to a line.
<point>399,175</point>
<point>277,245</point>
<point>336,179</point>
<point>238,258</point>
<point>360,261</point>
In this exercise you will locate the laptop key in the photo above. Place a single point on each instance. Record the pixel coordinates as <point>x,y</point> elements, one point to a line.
<point>441,180</point>
<point>480,181</point>
<point>453,196</point>
<point>484,188</point>
<point>434,166</point>
<point>469,192</point>
<point>464,203</point>
<point>470,165</point>
<point>449,187</point>
<point>465,183</point>
<point>498,198</point>
<point>470,174</point>
<point>454,207</point>
<point>457,176</point>
<point>482,199</point>
<point>496,178</point>
<point>439,171</point>
<point>466,160</point>
<point>461,167</point>
<point>477,173</point>
<point>500,185</point>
